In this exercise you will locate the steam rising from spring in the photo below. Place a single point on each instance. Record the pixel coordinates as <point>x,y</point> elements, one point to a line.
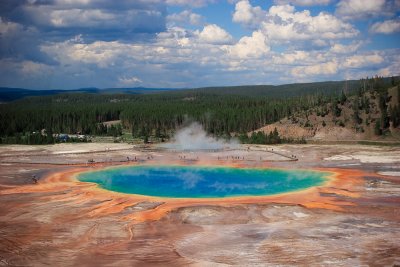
<point>194,137</point>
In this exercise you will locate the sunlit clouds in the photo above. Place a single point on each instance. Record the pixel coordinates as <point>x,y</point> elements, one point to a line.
<point>72,44</point>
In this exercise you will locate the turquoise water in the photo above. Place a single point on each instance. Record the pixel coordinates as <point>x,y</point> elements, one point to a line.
<point>202,182</point>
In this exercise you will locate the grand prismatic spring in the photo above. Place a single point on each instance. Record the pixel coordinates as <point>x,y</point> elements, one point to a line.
<point>244,207</point>
<point>202,181</point>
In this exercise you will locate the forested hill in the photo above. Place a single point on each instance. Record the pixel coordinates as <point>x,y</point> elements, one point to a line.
<point>224,112</point>
<point>366,115</point>
<point>328,88</point>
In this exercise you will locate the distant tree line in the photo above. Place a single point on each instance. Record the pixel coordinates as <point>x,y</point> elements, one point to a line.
<point>273,137</point>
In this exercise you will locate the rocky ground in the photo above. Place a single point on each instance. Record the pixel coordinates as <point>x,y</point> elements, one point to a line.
<point>61,222</point>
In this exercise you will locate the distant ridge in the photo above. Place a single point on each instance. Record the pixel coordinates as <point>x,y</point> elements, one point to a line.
<point>274,91</point>
<point>285,90</point>
<point>8,94</point>
<point>280,91</point>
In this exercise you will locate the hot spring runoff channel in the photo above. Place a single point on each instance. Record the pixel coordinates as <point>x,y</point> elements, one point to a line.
<point>202,182</point>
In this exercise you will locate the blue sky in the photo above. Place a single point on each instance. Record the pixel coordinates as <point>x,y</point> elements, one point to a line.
<point>65,44</point>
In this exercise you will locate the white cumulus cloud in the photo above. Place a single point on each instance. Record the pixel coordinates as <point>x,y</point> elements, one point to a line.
<point>358,61</point>
<point>248,15</point>
<point>253,46</point>
<point>283,23</point>
<point>357,9</point>
<point>345,49</point>
<point>386,27</point>
<point>213,34</point>
<point>327,68</point>
<point>292,58</point>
